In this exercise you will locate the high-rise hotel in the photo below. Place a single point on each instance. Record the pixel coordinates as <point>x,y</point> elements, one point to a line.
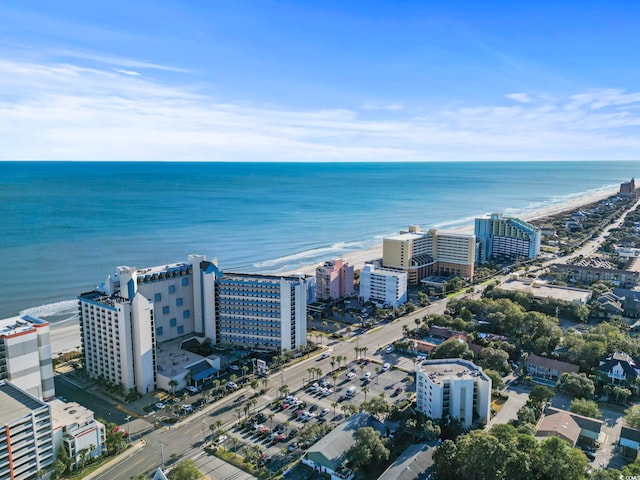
<point>506,237</point>
<point>124,319</point>
<point>421,253</point>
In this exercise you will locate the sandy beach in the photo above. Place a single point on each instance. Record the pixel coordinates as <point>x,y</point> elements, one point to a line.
<point>66,336</point>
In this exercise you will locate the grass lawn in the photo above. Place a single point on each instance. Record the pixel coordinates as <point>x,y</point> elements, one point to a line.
<point>497,403</point>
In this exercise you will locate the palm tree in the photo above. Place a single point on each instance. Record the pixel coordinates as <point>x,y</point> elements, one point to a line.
<point>173,384</point>
<point>271,415</point>
<point>361,370</point>
<point>333,364</point>
<point>265,384</point>
<point>284,390</point>
<point>349,330</point>
<point>334,375</point>
<point>246,409</point>
<point>238,411</point>
<point>336,326</point>
<point>233,377</point>
<point>254,385</point>
<point>310,370</point>
<point>334,405</point>
<point>245,370</point>
<point>235,441</point>
<point>216,386</point>
<point>365,390</point>
<point>377,375</point>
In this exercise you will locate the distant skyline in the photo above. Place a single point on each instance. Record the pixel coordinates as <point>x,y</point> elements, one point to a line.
<point>319,81</point>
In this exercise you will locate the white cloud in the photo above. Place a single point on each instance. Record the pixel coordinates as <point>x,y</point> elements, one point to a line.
<point>77,113</point>
<point>127,72</point>
<point>377,106</point>
<point>519,97</point>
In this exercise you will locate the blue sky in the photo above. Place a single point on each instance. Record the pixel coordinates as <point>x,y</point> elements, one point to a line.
<point>319,81</point>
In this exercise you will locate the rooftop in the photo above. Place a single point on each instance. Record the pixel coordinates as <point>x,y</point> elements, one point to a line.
<point>451,369</point>
<point>65,414</point>
<point>13,325</point>
<point>405,236</point>
<point>172,359</point>
<point>542,290</point>
<point>16,403</point>
<point>559,424</point>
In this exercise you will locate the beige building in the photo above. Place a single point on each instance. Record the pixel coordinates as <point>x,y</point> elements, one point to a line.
<point>421,253</point>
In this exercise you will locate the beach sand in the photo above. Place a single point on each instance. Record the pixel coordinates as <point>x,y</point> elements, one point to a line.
<point>66,336</point>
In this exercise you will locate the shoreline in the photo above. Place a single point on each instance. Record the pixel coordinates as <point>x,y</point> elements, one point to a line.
<point>65,336</point>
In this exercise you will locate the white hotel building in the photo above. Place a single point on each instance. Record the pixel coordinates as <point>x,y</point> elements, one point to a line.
<point>383,285</point>
<point>134,310</point>
<point>453,387</point>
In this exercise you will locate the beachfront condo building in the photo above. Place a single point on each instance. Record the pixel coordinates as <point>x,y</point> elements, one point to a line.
<point>26,439</point>
<point>126,317</point>
<point>509,238</point>
<point>422,254</point>
<point>263,312</point>
<point>334,280</point>
<point>25,355</point>
<point>454,387</point>
<point>383,286</point>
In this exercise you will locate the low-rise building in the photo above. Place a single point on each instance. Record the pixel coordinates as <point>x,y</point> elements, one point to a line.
<point>26,439</point>
<point>549,368</point>
<point>329,454</point>
<point>383,285</point>
<point>592,270</point>
<point>542,291</point>
<point>571,427</point>
<point>629,442</point>
<point>454,387</point>
<point>77,431</point>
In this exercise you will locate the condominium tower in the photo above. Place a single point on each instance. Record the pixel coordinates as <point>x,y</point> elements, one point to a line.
<point>453,387</point>
<point>25,355</point>
<point>26,439</point>
<point>422,254</point>
<point>334,280</point>
<point>506,237</point>
<point>383,285</point>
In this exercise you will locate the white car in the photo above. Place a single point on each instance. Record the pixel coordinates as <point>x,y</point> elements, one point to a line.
<point>324,412</point>
<point>232,386</point>
<point>389,349</point>
<point>159,405</point>
<point>192,389</point>
<point>386,367</point>
<point>351,375</point>
<point>327,391</point>
<point>367,376</point>
<point>221,439</point>
<point>314,387</point>
<point>187,408</point>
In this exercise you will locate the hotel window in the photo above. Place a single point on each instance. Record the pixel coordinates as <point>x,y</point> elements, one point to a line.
<point>172,289</point>
<point>165,310</point>
<point>180,329</point>
<point>178,302</point>
<point>157,297</point>
<point>186,314</point>
<point>172,322</point>
<point>159,331</point>
<point>185,282</point>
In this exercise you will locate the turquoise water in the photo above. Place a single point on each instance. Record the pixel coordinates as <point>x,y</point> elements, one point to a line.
<point>66,225</point>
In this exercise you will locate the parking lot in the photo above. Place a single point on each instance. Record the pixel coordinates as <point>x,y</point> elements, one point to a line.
<point>285,428</point>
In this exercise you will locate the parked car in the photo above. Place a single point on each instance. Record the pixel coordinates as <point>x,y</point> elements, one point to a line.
<point>192,389</point>
<point>235,368</point>
<point>386,367</point>
<point>159,405</point>
<point>232,386</point>
<point>187,408</point>
<point>389,349</point>
<point>221,439</point>
<point>351,375</point>
<point>293,446</point>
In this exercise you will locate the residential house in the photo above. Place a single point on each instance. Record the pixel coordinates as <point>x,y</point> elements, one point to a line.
<point>549,368</point>
<point>413,464</point>
<point>571,427</point>
<point>629,442</point>
<point>618,370</point>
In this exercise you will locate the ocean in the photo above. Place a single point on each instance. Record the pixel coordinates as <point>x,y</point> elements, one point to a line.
<point>67,225</point>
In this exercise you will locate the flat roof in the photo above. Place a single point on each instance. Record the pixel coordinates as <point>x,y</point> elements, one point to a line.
<point>16,403</point>
<point>13,325</point>
<point>65,414</point>
<point>451,369</point>
<point>542,290</point>
<point>406,236</point>
<point>172,360</point>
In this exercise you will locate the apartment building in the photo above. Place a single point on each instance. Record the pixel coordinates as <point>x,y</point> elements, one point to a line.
<point>453,387</point>
<point>422,254</point>
<point>383,285</point>
<point>25,355</point>
<point>261,311</point>
<point>334,280</point>
<point>26,441</point>
<point>77,431</point>
<point>506,237</point>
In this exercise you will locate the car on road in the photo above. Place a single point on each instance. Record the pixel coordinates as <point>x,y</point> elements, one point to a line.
<point>326,354</point>
<point>221,439</point>
<point>398,390</point>
<point>240,398</point>
<point>159,405</point>
<point>386,367</point>
<point>235,368</point>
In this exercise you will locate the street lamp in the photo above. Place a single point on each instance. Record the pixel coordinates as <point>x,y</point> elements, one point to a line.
<point>128,419</point>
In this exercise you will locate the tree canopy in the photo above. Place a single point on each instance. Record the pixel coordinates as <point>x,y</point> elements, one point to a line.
<point>452,348</point>
<point>370,450</point>
<point>586,408</point>
<point>577,385</point>
<point>185,470</point>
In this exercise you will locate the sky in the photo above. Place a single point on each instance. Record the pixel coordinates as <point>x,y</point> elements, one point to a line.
<point>317,81</point>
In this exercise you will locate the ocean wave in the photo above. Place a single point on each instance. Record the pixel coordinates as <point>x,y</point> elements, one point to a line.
<point>305,256</point>
<point>57,312</point>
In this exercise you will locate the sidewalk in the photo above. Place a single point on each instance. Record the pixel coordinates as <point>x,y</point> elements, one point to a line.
<point>140,444</point>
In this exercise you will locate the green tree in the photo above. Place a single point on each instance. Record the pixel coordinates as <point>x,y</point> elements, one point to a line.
<point>496,379</point>
<point>586,408</point>
<point>540,395</point>
<point>369,451</point>
<point>494,359</point>
<point>452,348</point>
<point>577,385</point>
<point>185,470</point>
<point>445,462</point>
<point>632,417</point>
<point>554,459</point>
